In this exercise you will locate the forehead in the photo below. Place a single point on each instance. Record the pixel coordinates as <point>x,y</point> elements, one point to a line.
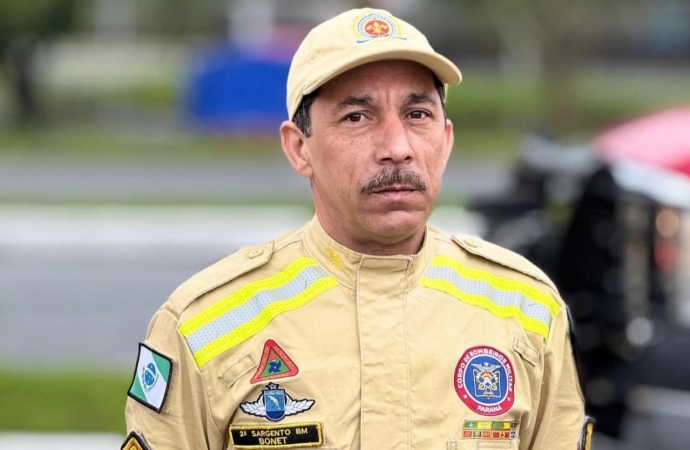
<point>408,76</point>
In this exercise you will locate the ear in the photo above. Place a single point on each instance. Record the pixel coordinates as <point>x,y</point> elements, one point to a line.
<point>294,144</point>
<point>450,139</point>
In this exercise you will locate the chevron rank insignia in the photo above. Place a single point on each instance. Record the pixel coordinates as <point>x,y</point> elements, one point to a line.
<point>275,403</point>
<point>134,442</point>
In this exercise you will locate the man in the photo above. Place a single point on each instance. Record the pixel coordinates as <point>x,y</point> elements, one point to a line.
<point>365,329</point>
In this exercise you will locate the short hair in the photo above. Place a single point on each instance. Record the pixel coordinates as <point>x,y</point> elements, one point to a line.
<point>302,117</point>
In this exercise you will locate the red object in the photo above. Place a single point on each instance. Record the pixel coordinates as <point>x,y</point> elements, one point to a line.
<point>377,28</point>
<point>661,139</point>
<point>666,255</point>
<point>274,354</point>
<point>484,381</point>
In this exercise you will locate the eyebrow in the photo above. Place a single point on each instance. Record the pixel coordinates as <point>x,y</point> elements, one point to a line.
<point>416,98</point>
<point>352,100</point>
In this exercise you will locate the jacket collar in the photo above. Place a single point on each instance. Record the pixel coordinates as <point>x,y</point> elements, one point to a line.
<point>344,263</point>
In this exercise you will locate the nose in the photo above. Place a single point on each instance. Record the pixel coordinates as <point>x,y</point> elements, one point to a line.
<point>393,144</point>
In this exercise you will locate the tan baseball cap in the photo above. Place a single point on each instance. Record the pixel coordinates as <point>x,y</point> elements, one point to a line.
<point>357,37</point>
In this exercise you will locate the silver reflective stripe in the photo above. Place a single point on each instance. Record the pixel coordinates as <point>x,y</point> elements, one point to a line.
<point>237,317</point>
<point>529,307</point>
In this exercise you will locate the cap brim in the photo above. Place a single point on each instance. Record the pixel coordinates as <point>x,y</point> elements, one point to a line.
<point>444,69</point>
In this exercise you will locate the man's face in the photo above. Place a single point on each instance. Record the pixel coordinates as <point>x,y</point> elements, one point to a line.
<point>378,148</point>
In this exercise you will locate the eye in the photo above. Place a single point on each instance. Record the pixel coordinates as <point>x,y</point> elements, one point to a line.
<point>418,114</point>
<point>354,117</point>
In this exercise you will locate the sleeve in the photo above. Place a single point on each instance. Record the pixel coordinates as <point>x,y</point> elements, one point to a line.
<point>561,415</point>
<point>183,418</point>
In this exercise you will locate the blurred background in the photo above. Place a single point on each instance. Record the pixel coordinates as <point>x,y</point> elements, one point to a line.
<point>139,144</point>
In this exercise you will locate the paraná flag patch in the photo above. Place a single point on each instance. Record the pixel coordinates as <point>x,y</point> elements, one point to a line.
<point>275,363</point>
<point>151,378</point>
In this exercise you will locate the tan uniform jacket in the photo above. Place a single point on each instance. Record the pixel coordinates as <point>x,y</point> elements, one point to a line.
<point>302,342</point>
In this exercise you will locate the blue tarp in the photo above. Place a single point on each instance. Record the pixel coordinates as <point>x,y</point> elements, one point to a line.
<point>235,91</point>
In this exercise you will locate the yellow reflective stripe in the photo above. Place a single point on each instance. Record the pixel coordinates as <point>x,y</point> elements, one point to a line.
<point>504,298</point>
<point>259,322</point>
<point>502,284</point>
<point>244,313</point>
<point>240,297</point>
<point>484,302</point>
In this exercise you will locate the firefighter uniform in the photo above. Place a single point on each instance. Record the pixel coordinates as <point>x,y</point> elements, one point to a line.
<point>303,343</point>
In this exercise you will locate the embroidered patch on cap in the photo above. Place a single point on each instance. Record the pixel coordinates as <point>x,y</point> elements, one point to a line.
<point>294,435</point>
<point>484,380</point>
<point>376,26</point>
<point>151,378</point>
<point>134,442</point>
<point>477,429</point>
<point>275,363</point>
<point>274,404</point>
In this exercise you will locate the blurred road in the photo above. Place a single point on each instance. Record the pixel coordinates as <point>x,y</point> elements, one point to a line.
<point>78,284</point>
<point>48,179</point>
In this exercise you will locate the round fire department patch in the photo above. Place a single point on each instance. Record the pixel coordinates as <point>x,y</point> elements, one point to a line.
<point>484,381</point>
<point>376,26</point>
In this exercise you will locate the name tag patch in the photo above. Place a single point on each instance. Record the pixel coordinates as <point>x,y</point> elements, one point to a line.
<point>293,435</point>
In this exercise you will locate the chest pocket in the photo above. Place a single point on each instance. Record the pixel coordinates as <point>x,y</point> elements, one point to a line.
<point>473,444</point>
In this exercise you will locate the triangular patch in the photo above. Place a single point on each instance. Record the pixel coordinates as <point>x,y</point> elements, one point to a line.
<point>134,442</point>
<point>275,363</point>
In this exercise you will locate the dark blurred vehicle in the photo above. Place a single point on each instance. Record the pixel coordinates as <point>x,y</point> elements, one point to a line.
<point>606,222</point>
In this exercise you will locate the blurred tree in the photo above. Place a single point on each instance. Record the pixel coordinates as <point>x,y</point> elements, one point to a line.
<point>23,25</point>
<point>544,41</point>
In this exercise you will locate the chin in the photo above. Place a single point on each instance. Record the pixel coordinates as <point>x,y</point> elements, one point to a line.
<point>399,225</point>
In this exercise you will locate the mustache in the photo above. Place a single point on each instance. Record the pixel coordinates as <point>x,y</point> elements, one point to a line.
<point>390,177</point>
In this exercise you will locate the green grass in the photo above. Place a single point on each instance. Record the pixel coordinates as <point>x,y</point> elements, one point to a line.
<point>491,115</point>
<point>80,401</point>
<point>102,144</point>
<point>486,100</point>
<point>500,145</point>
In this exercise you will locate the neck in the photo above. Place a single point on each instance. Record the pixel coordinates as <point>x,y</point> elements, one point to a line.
<point>383,244</point>
<point>408,246</point>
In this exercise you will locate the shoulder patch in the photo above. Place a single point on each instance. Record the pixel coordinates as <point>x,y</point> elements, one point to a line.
<point>225,270</point>
<point>502,256</point>
<point>134,441</point>
<point>151,378</point>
